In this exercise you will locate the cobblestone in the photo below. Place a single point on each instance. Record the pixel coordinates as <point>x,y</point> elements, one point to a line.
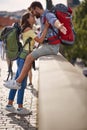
<point>10,121</point>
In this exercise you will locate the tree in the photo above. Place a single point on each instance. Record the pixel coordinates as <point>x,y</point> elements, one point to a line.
<point>79,50</point>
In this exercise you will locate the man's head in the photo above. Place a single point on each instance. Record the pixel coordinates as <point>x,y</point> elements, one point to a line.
<point>36,8</point>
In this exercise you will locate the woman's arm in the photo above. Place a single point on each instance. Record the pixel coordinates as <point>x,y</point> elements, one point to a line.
<point>41,39</point>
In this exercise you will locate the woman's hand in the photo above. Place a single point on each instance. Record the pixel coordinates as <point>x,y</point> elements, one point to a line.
<point>47,24</point>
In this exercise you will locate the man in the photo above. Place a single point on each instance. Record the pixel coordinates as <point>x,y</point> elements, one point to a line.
<point>47,48</point>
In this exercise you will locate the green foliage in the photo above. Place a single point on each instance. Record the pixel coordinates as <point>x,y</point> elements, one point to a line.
<point>79,49</point>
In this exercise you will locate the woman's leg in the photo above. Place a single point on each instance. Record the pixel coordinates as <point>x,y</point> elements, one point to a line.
<point>13,91</point>
<point>9,107</point>
<point>26,68</point>
<point>20,94</point>
<point>11,96</point>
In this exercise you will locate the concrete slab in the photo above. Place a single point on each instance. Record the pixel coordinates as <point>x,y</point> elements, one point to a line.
<point>62,95</point>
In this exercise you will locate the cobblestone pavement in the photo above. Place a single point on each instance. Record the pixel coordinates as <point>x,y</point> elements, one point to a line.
<point>10,121</point>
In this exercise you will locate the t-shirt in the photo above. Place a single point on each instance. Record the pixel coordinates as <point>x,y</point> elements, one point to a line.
<point>25,36</point>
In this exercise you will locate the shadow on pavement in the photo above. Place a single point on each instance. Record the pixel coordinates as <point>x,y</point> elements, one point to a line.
<point>33,91</point>
<point>21,121</point>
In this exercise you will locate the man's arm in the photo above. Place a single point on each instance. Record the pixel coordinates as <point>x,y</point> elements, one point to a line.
<point>52,19</point>
<point>60,26</point>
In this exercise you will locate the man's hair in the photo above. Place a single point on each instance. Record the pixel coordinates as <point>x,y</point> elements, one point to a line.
<point>36,4</point>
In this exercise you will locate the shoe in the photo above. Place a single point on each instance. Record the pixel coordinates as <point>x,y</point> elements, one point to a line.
<point>5,80</point>
<point>10,108</point>
<point>23,111</point>
<point>12,84</point>
<point>31,85</point>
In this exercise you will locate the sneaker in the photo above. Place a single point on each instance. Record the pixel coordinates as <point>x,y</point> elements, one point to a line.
<point>31,85</point>
<point>12,84</point>
<point>5,80</point>
<point>10,108</point>
<point>23,111</point>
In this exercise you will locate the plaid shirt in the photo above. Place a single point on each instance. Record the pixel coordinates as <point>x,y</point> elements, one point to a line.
<point>51,18</point>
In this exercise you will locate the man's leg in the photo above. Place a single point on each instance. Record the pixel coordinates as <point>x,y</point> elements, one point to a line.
<point>16,84</point>
<point>41,51</point>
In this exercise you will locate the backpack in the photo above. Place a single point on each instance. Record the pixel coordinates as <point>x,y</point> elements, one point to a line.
<point>13,46</point>
<point>64,15</point>
<point>10,36</point>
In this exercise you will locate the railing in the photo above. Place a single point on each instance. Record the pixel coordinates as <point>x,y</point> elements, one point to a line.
<point>62,95</point>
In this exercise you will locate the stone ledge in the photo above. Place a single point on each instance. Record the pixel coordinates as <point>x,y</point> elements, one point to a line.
<point>62,95</point>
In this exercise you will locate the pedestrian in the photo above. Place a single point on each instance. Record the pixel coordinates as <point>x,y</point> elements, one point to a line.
<point>10,70</point>
<point>1,49</point>
<point>45,49</point>
<point>27,32</point>
<point>30,75</point>
<point>9,62</point>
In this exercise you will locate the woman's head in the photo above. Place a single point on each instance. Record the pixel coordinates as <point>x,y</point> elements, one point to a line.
<point>27,20</point>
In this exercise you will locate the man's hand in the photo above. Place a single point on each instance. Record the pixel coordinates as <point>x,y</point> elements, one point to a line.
<point>60,26</point>
<point>63,29</point>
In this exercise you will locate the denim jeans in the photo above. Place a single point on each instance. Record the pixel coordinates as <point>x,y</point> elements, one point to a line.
<point>20,92</point>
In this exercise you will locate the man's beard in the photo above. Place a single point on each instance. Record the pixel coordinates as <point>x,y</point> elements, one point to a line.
<point>37,15</point>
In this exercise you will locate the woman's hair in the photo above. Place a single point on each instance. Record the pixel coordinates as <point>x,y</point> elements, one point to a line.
<point>24,21</point>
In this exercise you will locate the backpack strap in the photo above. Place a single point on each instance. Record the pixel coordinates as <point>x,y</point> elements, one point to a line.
<point>55,38</point>
<point>24,52</point>
<point>28,40</point>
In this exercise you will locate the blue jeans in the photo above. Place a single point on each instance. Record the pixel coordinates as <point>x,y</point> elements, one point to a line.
<point>20,92</point>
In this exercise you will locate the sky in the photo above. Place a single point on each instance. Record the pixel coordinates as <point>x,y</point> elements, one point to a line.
<point>15,5</point>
